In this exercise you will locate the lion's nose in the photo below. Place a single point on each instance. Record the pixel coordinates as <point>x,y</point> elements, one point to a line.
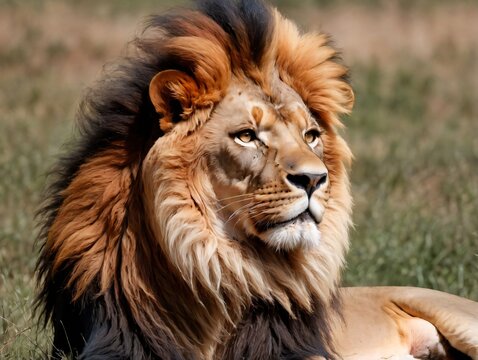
<point>308,181</point>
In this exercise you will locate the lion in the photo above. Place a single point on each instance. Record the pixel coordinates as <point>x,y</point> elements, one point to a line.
<point>203,213</point>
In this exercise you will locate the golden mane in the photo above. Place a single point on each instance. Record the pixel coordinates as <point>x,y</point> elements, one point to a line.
<point>139,255</point>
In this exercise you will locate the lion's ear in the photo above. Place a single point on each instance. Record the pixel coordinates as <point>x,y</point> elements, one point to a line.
<point>172,93</point>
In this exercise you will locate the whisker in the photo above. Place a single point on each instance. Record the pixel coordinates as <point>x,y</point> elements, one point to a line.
<point>254,211</point>
<point>233,203</point>
<point>243,213</point>
<point>235,213</point>
<point>239,217</point>
<point>260,211</point>
<point>235,196</point>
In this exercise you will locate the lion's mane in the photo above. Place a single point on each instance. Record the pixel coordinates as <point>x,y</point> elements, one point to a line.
<point>135,262</point>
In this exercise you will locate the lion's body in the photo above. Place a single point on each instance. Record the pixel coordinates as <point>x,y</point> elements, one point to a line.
<point>204,211</point>
<point>406,323</point>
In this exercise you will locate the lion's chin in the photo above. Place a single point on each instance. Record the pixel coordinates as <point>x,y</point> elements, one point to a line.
<point>301,232</point>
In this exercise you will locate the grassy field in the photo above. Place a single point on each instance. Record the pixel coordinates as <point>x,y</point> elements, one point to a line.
<point>413,132</point>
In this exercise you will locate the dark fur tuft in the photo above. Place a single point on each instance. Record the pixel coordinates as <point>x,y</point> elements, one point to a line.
<point>248,23</point>
<point>269,332</point>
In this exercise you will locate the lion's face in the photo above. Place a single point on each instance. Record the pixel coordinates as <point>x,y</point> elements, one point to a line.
<point>267,167</point>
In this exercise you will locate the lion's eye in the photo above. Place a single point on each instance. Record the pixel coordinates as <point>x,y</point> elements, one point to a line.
<point>245,138</point>
<point>311,137</point>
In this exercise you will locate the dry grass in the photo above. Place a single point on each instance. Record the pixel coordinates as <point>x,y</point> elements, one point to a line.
<point>391,34</point>
<point>413,133</point>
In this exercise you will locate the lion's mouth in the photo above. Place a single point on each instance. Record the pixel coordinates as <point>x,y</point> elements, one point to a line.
<point>303,217</point>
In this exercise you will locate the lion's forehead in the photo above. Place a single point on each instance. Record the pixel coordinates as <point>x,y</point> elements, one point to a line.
<point>283,104</point>
<point>267,114</point>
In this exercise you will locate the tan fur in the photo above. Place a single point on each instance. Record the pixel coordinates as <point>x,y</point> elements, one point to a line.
<point>405,323</point>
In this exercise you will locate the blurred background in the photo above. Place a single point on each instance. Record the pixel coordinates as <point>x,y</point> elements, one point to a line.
<point>414,133</point>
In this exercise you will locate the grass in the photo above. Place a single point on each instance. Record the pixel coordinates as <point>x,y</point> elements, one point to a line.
<point>32,126</point>
<point>413,133</point>
<point>415,182</point>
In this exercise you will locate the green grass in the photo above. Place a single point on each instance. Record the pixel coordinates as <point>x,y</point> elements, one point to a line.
<point>413,133</point>
<point>32,127</point>
<point>415,182</point>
